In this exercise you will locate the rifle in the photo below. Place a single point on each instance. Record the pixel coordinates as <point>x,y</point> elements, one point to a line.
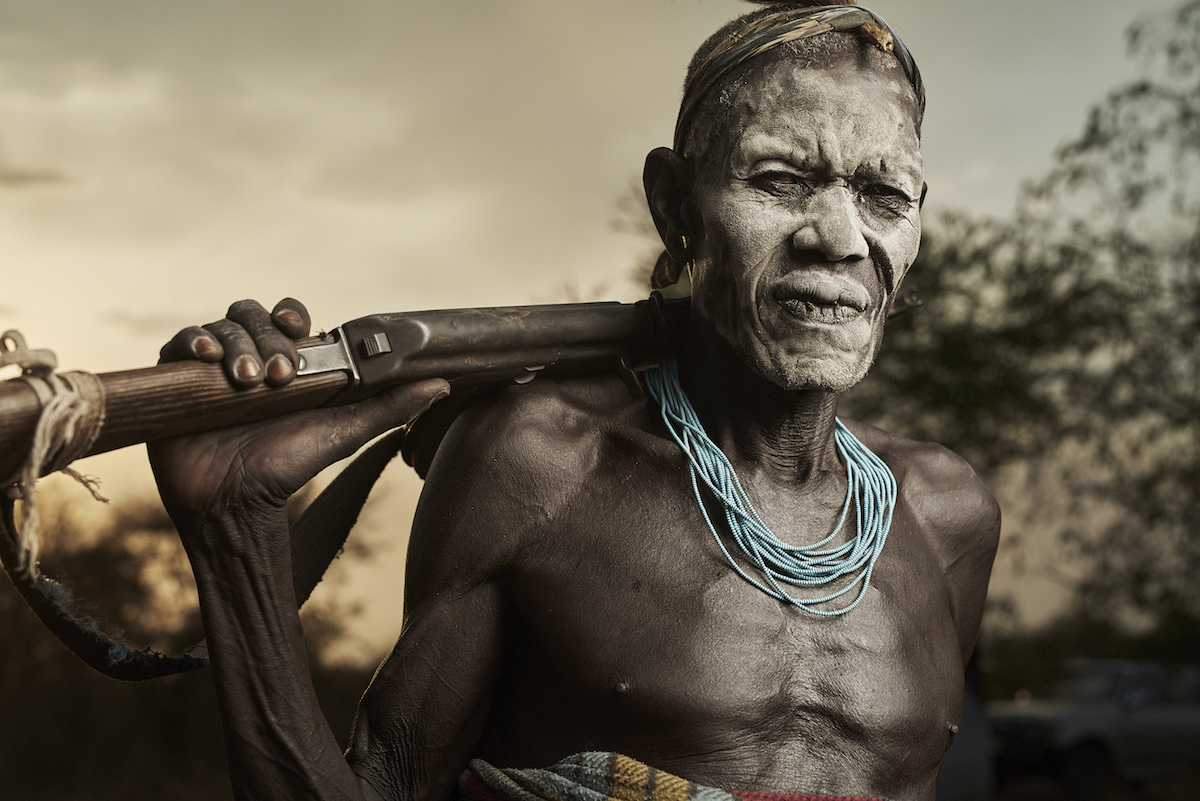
<point>470,348</point>
<point>474,349</point>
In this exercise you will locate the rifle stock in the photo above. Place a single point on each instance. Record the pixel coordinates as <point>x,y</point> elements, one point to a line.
<point>468,347</point>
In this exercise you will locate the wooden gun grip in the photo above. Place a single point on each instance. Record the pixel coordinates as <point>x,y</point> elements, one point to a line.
<point>163,401</point>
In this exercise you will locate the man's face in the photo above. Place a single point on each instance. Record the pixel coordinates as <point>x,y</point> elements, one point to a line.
<point>809,219</point>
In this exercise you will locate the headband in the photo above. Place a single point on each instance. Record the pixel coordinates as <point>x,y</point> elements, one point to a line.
<point>759,36</point>
<point>773,30</point>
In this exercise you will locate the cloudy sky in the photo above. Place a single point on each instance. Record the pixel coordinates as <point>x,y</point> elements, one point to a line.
<point>159,158</point>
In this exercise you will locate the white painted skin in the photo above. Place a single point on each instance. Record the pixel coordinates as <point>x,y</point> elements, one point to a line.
<point>808,221</point>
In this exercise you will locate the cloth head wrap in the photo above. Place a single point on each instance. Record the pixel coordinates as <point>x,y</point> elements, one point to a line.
<point>759,36</point>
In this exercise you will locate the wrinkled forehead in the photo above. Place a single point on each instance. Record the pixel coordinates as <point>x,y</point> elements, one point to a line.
<point>837,116</point>
<point>811,32</point>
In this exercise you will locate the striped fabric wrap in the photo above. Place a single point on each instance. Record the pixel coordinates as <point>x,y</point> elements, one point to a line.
<point>603,776</point>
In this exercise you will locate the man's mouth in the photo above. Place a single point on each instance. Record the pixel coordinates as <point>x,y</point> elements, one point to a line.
<point>822,298</point>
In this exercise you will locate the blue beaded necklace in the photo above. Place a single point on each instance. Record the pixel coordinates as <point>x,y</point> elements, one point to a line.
<point>871,489</point>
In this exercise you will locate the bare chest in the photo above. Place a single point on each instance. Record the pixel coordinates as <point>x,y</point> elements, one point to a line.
<point>634,634</point>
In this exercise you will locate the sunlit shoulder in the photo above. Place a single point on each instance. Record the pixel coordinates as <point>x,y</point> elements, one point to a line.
<point>934,481</point>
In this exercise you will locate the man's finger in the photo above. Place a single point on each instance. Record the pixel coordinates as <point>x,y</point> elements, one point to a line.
<point>275,350</point>
<point>409,401</point>
<point>193,342</point>
<point>361,422</point>
<point>242,362</point>
<point>292,318</point>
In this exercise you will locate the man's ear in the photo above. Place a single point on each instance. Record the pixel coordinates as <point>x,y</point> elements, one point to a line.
<point>668,183</point>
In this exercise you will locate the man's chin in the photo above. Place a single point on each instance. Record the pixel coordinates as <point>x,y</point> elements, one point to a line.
<point>824,373</point>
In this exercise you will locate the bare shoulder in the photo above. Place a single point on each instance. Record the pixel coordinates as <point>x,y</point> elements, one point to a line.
<point>511,464</point>
<point>549,428</point>
<point>938,485</point>
<point>954,510</point>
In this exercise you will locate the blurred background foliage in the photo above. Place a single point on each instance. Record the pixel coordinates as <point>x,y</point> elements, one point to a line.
<point>1057,350</point>
<point>1059,344</point>
<point>85,736</point>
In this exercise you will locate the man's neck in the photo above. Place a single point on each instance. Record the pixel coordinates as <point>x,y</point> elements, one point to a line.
<point>786,435</point>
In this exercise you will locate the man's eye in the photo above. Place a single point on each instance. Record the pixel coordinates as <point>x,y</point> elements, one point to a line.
<point>779,181</point>
<point>885,198</point>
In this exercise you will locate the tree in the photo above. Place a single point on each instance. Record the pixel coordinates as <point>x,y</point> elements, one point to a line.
<point>1065,337</point>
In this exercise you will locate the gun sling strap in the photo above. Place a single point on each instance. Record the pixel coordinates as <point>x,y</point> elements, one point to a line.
<point>317,538</point>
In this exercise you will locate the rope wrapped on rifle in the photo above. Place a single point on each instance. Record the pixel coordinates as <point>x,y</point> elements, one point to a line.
<point>72,414</point>
<point>71,417</point>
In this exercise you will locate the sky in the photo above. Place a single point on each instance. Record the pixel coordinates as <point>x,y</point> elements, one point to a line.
<point>160,159</point>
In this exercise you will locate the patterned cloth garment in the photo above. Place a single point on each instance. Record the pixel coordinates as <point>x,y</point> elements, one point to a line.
<point>603,776</point>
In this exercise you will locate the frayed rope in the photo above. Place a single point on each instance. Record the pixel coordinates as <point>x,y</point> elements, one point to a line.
<point>71,418</point>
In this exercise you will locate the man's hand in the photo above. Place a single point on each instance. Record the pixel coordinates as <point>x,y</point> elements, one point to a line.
<point>252,466</point>
<point>253,345</point>
<point>226,491</point>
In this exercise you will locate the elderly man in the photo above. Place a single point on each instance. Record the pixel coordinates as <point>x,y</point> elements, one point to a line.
<point>719,588</point>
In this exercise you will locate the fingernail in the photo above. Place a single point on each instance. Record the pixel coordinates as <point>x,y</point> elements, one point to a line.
<point>279,368</point>
<point>206,348</point>
<point>288,317</point>
<point>246,367</point>
<point>443,394</point>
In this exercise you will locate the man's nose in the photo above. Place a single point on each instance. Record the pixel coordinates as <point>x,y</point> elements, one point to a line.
<point>830,226</point>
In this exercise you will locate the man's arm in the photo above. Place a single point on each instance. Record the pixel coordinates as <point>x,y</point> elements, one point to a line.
<point>420,721</point>
<point>963,520</point>
<point>502,468</point>
<point>226,491</point>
